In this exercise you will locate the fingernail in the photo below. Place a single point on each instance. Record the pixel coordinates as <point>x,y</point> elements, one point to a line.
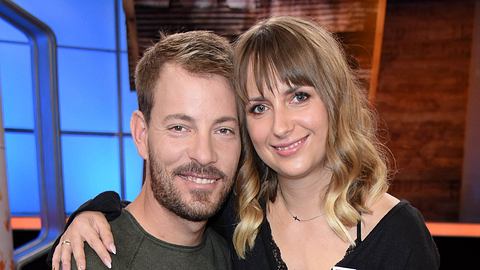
<point>81,267</point>
<point>107,262</point>
<point>113,249</point>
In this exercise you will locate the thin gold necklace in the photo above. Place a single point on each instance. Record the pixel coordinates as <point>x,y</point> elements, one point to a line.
<point>295,217</point>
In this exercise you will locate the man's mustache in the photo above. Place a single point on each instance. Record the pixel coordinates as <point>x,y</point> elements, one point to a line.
<point>194,167</point>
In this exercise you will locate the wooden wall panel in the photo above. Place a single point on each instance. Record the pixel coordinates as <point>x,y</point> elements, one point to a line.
<point>422,95</point>
<point>354,22</point>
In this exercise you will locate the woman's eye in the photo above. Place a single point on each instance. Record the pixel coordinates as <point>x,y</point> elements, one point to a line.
<point>300,97</point>
<point>258,109</point>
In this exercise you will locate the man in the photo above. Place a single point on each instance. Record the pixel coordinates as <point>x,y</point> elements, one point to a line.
<point>187,131</point>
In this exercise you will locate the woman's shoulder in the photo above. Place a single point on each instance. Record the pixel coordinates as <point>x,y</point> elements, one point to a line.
<point>395,234</point>
<point>390,214</point>
<point>379,209</point>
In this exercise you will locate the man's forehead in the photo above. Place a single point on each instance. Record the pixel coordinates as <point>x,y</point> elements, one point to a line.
<point>174,72</point>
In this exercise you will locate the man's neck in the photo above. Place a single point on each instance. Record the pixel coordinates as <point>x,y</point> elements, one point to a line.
<point>162,223</point>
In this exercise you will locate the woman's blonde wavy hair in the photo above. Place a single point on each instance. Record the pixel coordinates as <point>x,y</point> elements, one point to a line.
<point>299,52</point>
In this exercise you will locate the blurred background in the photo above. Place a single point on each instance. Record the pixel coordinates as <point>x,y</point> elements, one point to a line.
<point>66,98</point>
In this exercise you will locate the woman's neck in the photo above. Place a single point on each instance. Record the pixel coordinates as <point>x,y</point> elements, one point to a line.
<point>304,197</point>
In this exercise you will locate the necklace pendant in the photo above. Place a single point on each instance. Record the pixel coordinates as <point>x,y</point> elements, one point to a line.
<point>296,218</point>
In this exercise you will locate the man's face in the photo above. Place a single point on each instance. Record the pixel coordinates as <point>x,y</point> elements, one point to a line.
<point>193,142</point>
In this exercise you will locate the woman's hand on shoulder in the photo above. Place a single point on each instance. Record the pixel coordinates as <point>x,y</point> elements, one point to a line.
<point>91,227</point>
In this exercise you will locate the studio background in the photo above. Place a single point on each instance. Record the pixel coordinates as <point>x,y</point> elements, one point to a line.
<point>426,93</point>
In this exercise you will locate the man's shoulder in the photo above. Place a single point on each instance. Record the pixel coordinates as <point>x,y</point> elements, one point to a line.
<point>215,238</point>
<point>126,238</point>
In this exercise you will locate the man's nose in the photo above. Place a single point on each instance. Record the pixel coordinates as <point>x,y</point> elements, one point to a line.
<point>203,149</point>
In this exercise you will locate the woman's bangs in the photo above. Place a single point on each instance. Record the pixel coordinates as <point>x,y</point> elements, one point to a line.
<point>268,69</point>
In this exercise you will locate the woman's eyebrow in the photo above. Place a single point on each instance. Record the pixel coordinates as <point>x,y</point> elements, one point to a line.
<point>290,90</point>
<point>257,98</point>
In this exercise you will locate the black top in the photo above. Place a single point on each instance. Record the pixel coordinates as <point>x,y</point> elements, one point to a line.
<point>399,241</point>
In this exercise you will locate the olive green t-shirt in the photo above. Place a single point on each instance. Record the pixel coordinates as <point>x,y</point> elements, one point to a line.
<point>137,249</point>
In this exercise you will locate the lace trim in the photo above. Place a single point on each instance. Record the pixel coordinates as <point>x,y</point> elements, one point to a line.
<point>277,256</point>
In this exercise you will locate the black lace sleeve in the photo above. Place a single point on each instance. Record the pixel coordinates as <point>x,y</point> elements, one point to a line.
<point>107,202</point>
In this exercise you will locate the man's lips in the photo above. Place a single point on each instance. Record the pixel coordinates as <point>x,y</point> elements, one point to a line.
<point>286,149</point>
<point>199,178</point>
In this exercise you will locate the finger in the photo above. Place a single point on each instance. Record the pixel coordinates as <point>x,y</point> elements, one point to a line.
<point>66,255</point>
<point>105,231</point>
<point>78,253</point>
<point>96,244</point>
<point>56,256</point>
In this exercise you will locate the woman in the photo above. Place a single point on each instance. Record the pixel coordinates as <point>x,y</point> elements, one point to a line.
<point>312,191</point>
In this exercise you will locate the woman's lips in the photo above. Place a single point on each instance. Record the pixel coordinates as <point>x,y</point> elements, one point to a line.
<point>291,148</point>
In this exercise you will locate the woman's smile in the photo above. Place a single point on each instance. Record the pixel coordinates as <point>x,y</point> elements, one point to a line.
<point>289,148</point>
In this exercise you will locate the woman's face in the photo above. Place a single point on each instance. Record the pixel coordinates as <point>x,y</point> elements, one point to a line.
<point>288,128</point>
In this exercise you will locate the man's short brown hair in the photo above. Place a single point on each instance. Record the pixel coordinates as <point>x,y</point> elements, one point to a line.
<point>198,52</point>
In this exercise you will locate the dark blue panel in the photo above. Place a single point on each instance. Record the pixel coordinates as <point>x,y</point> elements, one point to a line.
<point>87,90</point>
<point>133,170</point>
<point>16,85</point>
<point>129,98</point>
<point>90,166</point>
<point>22,175</point>
<point>122,27</point>
<point>10,33</point>
<point>86,23</point>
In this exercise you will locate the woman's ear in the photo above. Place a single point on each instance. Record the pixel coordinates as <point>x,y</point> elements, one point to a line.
<point>139,129</point>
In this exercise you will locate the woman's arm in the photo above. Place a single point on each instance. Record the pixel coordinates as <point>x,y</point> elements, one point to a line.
<point>88,226</point>
<point>88,223</point>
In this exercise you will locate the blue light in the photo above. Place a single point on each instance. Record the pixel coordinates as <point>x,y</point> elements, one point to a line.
<point>10,33</point>
<point>88,102</point>
<point>23,188</point>
<point>122,27</point>
<point>16,85</point>
<point>90,166</point>
<point>86,23</point>
<point>133,170</point>
<point>129,98</point>
<point>87,90</point>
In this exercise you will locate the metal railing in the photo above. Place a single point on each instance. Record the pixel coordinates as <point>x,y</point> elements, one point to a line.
<point>47,131</point>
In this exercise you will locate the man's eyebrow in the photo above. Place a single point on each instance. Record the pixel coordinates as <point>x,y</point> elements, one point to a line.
<point>178,116</point>
<point>187,118</point>
<point>226,119</point>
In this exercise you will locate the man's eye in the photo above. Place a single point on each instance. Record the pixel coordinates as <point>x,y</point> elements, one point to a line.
<point>178,128</point>
<point>300,97</point>
<point>258,109</point>
<point>226,131</point>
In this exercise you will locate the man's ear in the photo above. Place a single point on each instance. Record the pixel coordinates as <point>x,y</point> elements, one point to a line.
<point>139,129</point>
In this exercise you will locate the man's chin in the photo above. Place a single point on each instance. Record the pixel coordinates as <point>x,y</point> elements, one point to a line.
<point>197,215</point>
<point>201,209</point>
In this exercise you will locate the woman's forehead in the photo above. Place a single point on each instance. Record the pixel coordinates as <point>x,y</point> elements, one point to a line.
<point>261,84</point>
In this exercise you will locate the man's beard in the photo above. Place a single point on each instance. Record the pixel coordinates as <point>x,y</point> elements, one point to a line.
<point>201,208</point>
